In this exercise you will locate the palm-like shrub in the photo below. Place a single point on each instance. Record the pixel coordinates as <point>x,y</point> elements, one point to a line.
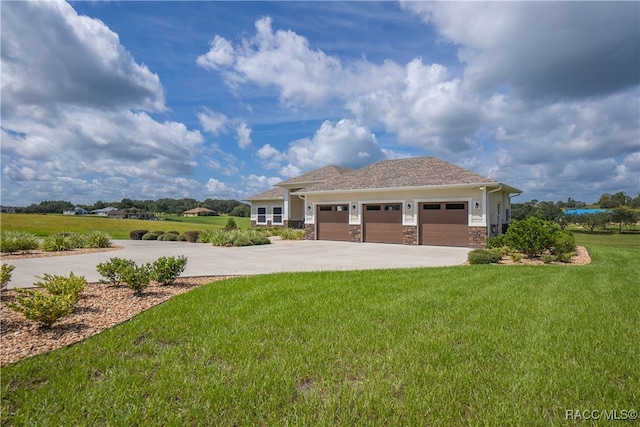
<point>97,239</point>
<point>16,241</point>
<point>56,243</point>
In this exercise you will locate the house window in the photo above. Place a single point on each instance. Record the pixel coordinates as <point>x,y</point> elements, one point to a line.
<point>342,208</point>
<point>373,207</point>
<point>325,207</point>
<point>277,214</point>
<point>392,207</point>
<point>431,206</point>
<point>262,216</point>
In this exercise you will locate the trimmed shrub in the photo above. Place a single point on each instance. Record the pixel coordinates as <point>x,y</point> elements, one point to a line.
<point>231,224</point>
<point>137,277</point>
<point>242,241</point>
<point>260,240</point>
<point>150,236</point>
<point>532,236</point>
<point>56,243</point>
<point>15,241</point>
<point>166,270</point>
<point>5,274</point>
<point>173,232</point>
<point>112,270</point>
<point>479,256</point>
<point>169,237</point>
<point>97,239</point>
<point>564,245</point>
<point>48,307</point>
<point>496,242</point>
<point>40,307</point>
<point>192,236</point>
<point>137,234</point>
<point>70,287</point>
<point>158,233</point>
<point>182,238</point>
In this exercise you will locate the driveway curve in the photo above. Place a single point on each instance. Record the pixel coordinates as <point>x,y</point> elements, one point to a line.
<point>280,256</point>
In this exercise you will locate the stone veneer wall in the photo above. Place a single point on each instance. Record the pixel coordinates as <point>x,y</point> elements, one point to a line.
<point>309,232</point>
<point>355,233</point>
<point>477,237</point>
<point>409,235</point>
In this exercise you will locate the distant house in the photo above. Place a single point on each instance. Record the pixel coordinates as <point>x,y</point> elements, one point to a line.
<point>103,211</point>
<point>132,213</point>
<point>7,209</point>
<point>75,211</point>
<point>200,212</point>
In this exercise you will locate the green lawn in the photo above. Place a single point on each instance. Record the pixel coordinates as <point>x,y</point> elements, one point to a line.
<point>43,225</point>
<point>467,345</point>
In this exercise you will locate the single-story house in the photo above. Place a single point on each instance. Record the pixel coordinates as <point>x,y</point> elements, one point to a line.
<point>132,213</point>
<point>413,201</point>
<point>103,211</point>
<point>75,211</point>
<point>200,212</point>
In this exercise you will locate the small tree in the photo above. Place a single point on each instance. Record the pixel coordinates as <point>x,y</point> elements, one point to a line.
<point>231,224</point>
<point>592,220</point>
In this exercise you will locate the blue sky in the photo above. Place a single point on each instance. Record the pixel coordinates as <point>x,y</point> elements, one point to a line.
<point>145,100</point>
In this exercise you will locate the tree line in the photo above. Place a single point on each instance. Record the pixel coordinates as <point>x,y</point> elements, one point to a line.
<point>621,209</point>
<point>168,206</point>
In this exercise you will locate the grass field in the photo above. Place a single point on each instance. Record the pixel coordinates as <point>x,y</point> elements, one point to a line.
<point>467,345</point>
<point>43,225</point>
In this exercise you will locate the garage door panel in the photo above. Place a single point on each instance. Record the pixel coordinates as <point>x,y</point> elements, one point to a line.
<point>444,224</point>
<point>333,223</point>
<point>383,223</point>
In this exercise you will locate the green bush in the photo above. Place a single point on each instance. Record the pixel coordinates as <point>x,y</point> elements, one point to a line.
<point>479,256</point>
<point>192,236</point>
<point>5,274</point>
<point>150,236</point>
<point>137,277</point>
<point>59,300</point>
<point>206,235</point>
<point>242,241</point>
<point>220,238</point>
<point>56,243</point>
<point>260,240</point>
<point>182,238</point>
<point>231,224</point>
<point>564,245</point>
<point>169,237</point>
<point>498,241</point>
<point>173,232</point>
<point>70,287</point>
<point>16,241</point>
<point>531,236</point>
<point>40,307</point>
<point>112,270</point>
<point>166,270</point>
<point>158,233</point>
<point>137,234</point>
<point>97,239</point>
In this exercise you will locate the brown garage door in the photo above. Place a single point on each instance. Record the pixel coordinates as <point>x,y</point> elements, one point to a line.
<point>444,224</point>
<point>333,222</point>
<point>383,223</point>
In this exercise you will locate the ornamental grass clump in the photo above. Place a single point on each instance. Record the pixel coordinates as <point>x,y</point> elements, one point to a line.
<point>58,242</point>
<point>17,241</point>
<point>55,299</point>
<point>97,239</point>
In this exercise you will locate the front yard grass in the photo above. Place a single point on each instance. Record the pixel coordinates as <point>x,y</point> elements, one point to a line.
<point>467,345</point>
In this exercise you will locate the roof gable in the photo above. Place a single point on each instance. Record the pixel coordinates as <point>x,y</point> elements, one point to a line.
<point>272,194</point>
<point>398,173</point>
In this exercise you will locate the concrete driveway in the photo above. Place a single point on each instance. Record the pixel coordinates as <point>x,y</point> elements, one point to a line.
<point>281,256</point>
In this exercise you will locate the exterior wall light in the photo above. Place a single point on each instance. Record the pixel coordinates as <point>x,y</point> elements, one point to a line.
<point>408,205</point>
<point>354,207</point>
<point>309,207</point>
<point>477,205</point>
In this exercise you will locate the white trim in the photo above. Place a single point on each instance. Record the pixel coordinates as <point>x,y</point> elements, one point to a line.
<point>408,188</point>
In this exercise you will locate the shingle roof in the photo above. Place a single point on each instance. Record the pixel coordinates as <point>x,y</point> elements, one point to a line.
<point>273,194</point>
<point>318,175</point>
<point>398,173</point>
<point>198,210</point>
